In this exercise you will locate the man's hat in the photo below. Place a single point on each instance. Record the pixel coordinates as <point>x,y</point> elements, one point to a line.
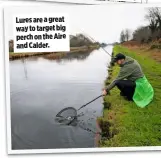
<point>118,57</point>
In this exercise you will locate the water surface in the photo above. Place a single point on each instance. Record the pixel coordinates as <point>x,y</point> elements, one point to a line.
<point>41,87</point>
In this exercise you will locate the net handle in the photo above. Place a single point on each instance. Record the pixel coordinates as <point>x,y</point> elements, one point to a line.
<point>90,102</point>
<point>84,106</point>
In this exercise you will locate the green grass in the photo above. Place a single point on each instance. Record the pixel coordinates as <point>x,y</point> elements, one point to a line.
<point>135,126</point>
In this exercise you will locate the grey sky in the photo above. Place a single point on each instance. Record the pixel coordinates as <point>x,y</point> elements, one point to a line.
<point>102,22</point>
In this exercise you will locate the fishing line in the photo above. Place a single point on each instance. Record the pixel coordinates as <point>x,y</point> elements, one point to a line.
<point>95,42</point>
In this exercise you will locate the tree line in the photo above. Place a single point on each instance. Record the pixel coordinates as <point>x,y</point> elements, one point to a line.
<point>80,40</point>
<point>145,34</point>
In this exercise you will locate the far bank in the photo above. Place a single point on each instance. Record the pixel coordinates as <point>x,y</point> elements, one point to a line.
<point>54,55</point>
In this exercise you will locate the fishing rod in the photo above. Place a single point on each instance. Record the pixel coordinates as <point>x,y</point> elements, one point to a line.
<point>96,42</point>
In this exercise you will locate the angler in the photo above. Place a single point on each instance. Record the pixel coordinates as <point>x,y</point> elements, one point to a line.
<point>131,81</point>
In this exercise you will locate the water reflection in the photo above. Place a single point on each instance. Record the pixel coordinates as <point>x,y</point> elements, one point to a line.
<point>69,56</point>
<point>25,68</point>
<point>80,56</point>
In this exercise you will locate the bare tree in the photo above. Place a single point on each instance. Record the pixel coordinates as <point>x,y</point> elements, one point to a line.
<point>153,30</point>
<point>11,46</point>
<point>151,17</point>
<point>122,36</point>
<point>154,17</point>
<point>127,34</point>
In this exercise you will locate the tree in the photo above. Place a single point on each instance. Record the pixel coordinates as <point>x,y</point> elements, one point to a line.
<point>154,18</point>
<point>142,34</point>
<point>122,36</point>
<point>79,40</point>
<point>11,46</point>
<point>153,30</point>
<point>127,34</point>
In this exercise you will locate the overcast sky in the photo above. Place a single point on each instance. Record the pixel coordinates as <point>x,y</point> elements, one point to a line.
<point>103,22</point>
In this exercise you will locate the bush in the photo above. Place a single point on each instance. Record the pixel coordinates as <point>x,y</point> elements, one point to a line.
<point>155,46</point>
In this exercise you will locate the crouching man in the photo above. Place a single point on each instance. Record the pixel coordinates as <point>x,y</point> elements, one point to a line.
<point>131,81</point>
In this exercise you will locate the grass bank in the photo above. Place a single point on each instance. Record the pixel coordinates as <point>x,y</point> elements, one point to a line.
<point>123,123</point>
<point>54,55</point>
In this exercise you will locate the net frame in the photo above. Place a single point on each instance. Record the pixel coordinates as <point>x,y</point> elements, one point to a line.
<point>67,119</point>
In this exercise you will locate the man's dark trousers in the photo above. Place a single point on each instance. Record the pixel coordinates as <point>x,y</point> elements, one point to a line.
<point>127,88</point>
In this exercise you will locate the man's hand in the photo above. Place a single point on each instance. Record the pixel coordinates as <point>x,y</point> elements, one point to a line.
<point>104,92</point>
